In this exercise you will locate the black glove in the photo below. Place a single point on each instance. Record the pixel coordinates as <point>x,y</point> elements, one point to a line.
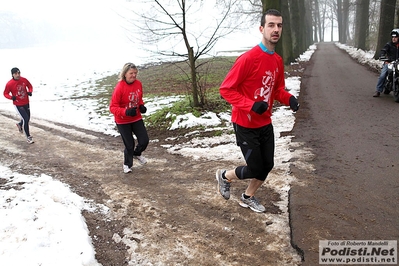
<point>29,93</point>
<point>131,111</point>
<point>294,104</point>
<point>13,98</point>
<point>143,109</point>
<point>260,107</point>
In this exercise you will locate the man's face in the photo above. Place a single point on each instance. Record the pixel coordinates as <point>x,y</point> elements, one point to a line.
<point>272,29</point>
<point>395,39</point>
<point>16,75</point>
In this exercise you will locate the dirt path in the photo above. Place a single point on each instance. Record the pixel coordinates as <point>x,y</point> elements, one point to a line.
<point>166,213</point>
<point>352,191</point>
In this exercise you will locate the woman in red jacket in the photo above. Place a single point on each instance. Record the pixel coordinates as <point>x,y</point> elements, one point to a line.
<point>18,89</point>
<point>253,83</point>
<point>127,106</point>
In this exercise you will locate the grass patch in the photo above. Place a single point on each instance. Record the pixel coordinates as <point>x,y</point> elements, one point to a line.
<point>172,78</point>
<point>164,118</point>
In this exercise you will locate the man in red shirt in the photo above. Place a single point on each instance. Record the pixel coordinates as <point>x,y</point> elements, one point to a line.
<point>18,89</point>
<point>255,80</point>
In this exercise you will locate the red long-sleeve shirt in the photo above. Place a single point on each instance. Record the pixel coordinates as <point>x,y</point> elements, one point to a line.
<point>126,96</point>
<point>255,76</point>
<point>18,88</point>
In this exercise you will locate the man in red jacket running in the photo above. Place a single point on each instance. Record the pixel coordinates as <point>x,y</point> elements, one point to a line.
<point>18,89</point>
<point>255,80</point>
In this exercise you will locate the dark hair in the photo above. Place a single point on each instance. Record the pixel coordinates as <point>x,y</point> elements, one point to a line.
<point>14,70</point>
<point>271,12</point>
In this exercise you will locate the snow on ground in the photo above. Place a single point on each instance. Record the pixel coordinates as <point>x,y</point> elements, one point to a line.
<point>34,220</point>
<point>41,222</point>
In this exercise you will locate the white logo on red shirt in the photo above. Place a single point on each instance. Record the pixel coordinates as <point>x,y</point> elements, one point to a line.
<point>267,86</point>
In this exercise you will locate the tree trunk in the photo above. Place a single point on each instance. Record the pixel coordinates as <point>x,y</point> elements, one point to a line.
<point>387,19</point>
<point>308,19</point>
<point>296,27</point>
<point>286,39</point>
<point>339,20</point>
<point>193,72</point>
<point>269,4</point>
<point>318,27</point>
<point>345,21</point>
<point>362,23</point>
<point>397,16</point>
<point>323,21</point>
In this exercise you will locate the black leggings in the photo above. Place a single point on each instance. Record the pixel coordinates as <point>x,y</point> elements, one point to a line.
<point>257,146</point>
<point>127,130</point>
<point>24,112</point>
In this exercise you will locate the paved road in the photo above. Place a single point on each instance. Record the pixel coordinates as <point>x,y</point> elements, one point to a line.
<point>353,191</point>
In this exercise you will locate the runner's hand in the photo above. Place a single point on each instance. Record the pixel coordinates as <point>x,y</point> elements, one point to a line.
<point>29,93</point>
<point>260,107</point>
<point>143,109</point>
<point>131,111</point>
<point>13,98</point>
<point>294,104</point>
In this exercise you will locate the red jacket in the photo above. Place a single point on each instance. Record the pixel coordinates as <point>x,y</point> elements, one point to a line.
<point>18,88</point>
<point>126,96</point>
<point>255,76</point>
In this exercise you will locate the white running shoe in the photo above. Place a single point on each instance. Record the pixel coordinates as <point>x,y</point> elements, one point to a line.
<point>30,140</point>
<point>251,203</point>
<point>126,169</point>
<point>223,184</point>
<point>141,159</point>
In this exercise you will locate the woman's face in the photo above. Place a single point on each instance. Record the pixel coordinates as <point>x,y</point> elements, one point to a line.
<point>131,75</point>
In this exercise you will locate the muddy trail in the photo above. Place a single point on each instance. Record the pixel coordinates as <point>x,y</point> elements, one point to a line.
<point>166,212</point>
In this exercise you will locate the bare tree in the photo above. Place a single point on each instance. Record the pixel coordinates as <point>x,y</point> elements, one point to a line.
<point>373,23</point>
<point>187,30</point>
<point>317,27</point>
<point>325,12</point>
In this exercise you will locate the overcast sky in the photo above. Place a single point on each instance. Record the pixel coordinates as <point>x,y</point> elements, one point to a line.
<point>90,20</point>
<point>100,21</point>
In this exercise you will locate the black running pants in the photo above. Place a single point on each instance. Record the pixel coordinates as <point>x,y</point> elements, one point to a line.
<point>257,146</point>
<point>127,130</point>
<point>24,112</point>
